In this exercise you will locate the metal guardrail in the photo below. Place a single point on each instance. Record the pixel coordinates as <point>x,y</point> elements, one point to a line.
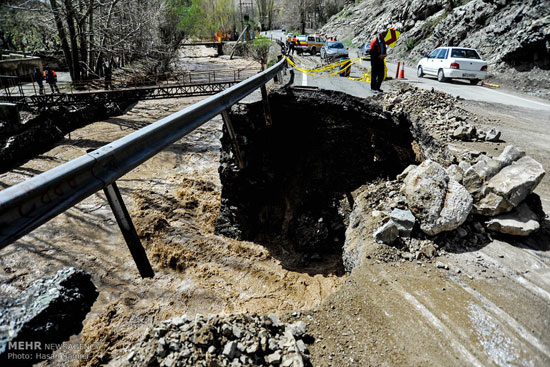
<point>29,204</point>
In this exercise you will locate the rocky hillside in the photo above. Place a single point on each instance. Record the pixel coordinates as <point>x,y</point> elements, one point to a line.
<point>512,35</point>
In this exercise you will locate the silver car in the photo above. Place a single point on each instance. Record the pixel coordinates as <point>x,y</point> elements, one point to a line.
<point>333,50</point>
<point>364,51</point>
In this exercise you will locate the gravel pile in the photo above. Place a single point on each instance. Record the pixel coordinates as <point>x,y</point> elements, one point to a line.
<point>233,340</point>
<point>439,112</point>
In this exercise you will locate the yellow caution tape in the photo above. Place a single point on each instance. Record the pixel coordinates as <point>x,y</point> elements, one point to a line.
<point>342,67</point>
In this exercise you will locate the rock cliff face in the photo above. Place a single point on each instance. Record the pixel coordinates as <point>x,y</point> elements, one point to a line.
<point>512,35</point>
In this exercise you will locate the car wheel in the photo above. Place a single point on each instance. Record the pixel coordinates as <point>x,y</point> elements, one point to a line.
<point>474,81</point>
<point>441,76</point>
<point>313,52</point>
<point>420,72</point>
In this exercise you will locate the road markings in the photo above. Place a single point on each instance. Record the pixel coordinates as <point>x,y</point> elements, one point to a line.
<point>516,326</point>
<point>438,325</point>
<point>523,99</point>
<point>304,80</point>
<point>457,346</point>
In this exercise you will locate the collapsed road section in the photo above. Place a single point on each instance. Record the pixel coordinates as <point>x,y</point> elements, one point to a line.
<point>299,173</point>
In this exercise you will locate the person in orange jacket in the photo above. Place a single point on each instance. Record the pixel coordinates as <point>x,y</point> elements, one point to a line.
<point>292,45</point>
<point>51,79</point>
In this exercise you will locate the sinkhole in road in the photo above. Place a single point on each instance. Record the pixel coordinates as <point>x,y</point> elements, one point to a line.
<point>295,190</point>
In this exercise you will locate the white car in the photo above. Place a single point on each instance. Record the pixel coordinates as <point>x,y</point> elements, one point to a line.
<point>453,63</point>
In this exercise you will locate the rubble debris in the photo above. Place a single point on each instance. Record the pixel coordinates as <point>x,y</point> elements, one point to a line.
<point>439,113</point>
<point>455,172</point>
<point>45,314</point>
<point>231,340</point>
<point>510,154</point>
<point>465,132</point>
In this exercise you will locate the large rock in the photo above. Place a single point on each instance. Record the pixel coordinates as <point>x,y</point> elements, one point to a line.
<point>473,182</point>
<point>464,133</point>
<point>517,180</point>
<point>404,221</point>
<point>45,314</point>
<point>522,221</point>
<point>455,172</point>
<point>493,135</point>
<point>492,204</point>
<point>439,203</point>
<point>456,207</point>
<point>387,233</point>
<point>510,154</point>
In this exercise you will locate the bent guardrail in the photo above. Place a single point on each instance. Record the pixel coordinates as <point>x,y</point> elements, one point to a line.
<point>29,204</point>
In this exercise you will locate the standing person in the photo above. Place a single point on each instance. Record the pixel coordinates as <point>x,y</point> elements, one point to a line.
<point>292,45</point>
<point>39,79</point>
<point>108,71</point>
<point>51,79</point>
<point>377,55</point>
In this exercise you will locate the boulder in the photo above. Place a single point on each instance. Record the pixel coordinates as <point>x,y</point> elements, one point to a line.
<point>464,165</point>
<point>404,221</point>
<point>493,135</point>
<point>521,221</point>
<point>473,182</point>
<point>491,205</point>
<point>439,203</point>
<point>425,188</point>
<point>455,172</point>
<point>510,154</point>
<point>465,133</point>
<point>405,172</point>
<point>516,181</point>
<point>487,168</point>
<point>456,207</point>
<point>387,234</point>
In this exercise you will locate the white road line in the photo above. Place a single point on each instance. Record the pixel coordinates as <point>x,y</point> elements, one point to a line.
<point>535,289</point>
<point>504,317</point>
<point>457,346</point>
<point>304,80</point>
<point>440,326</point>
<point>523,99</point>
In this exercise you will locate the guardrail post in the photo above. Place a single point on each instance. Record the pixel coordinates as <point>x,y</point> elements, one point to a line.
<point>267,109</point>
<point>233,137</point>
<point>128,231</point>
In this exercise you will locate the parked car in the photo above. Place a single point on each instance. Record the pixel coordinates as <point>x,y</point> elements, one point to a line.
<point>453,63</point>
<point>333,49</point>
<point>364,50</point>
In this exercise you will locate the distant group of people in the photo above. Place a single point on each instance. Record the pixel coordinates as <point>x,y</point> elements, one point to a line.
<point>50,76</point>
